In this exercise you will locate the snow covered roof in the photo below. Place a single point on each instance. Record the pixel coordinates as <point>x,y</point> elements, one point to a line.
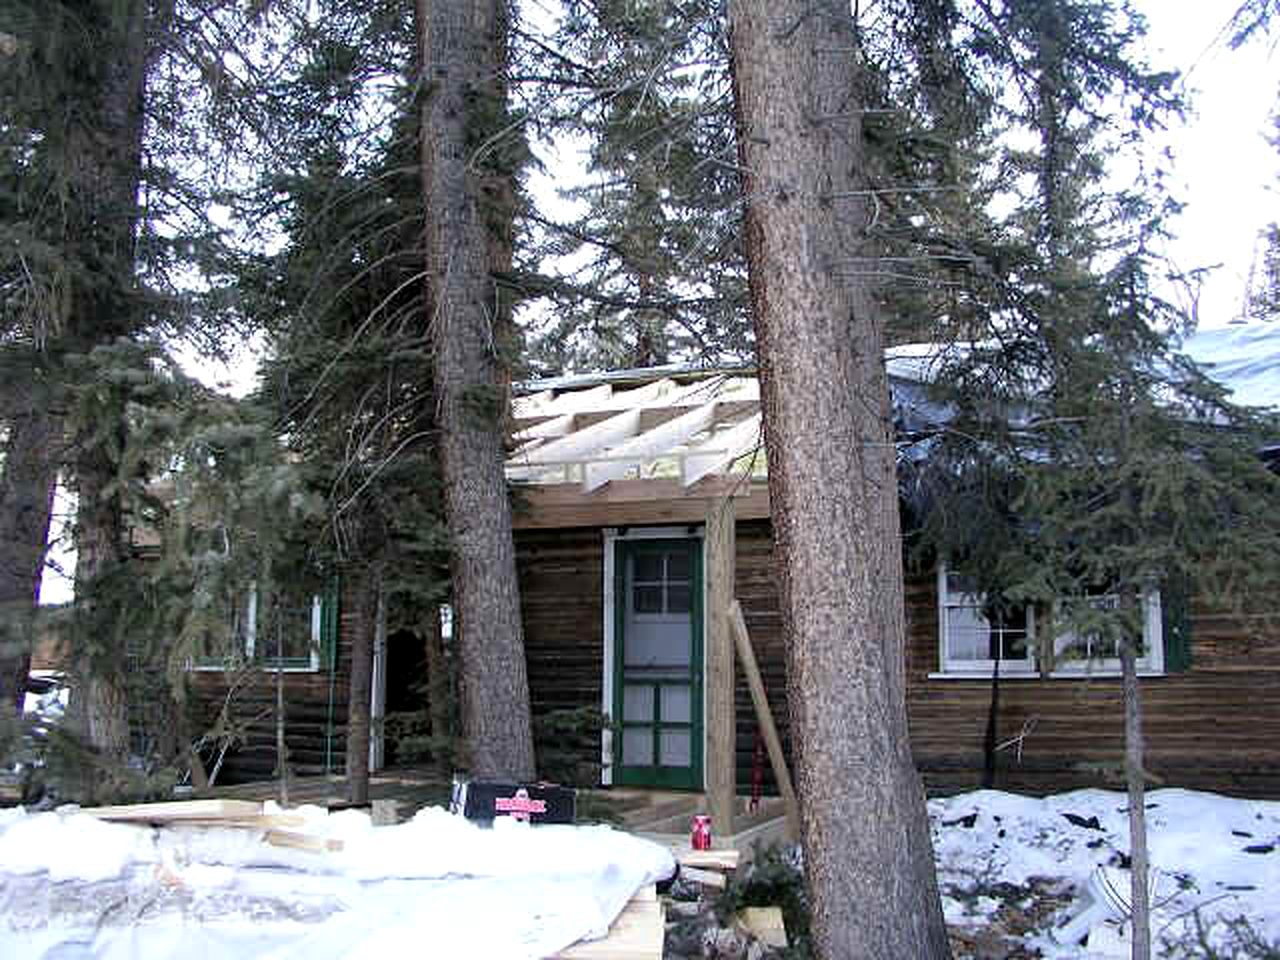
<point>1245,358</point>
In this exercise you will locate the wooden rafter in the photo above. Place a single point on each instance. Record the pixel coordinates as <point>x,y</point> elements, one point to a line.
<point>721,449</point>
<point>576,447</point>
<point>647,446</point>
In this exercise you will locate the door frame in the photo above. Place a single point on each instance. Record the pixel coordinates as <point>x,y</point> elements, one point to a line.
<point>611,673</point>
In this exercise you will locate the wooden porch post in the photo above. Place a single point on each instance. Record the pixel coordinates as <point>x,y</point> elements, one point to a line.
<point>719,763</point>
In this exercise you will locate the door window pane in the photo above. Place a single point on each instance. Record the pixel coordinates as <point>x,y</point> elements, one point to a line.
<point>637,703</point>
<point>675,748</point>
<point>648,599</point>
<point>648,567</point>
<point>678,598</point>
<point>675,705</point>
<point>637,746</point>
<point>678,565</point>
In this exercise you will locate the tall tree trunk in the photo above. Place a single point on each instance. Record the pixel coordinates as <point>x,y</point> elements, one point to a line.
<point>868,860</point>
<point>104,158</point>
<point>369,586</point>
<point>26,504</point>
<point>100,658</point>
<point>469,204</point>
<point>1135,781</point>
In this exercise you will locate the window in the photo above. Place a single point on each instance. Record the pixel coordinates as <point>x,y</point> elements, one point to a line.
<point>975,634</point>
<point>288,630</point>
<point>223,628</point>
<point>1095,651</point>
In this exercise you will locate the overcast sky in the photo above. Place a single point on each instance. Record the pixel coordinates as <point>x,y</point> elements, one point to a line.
<point>1226,171</point>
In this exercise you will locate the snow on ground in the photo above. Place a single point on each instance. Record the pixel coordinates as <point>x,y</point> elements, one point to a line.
<point>1211,855</point>
<point>75,887</point>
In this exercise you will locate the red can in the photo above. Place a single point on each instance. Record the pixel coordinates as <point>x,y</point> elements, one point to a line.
<point>700,835</point>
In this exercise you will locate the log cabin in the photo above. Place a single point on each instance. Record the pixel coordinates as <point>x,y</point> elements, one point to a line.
<point>642,515</point>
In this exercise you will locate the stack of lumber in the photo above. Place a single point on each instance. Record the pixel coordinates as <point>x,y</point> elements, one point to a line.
<point>707,867</point>
<point>247,814</point>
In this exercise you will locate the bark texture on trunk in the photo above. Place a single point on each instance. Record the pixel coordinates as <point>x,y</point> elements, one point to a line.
<point>26,504</point>
<point>104,157</point>
<point>366,619</point>
<point>469,204</point>
<point>1135,781</point>
<point>868,859</point>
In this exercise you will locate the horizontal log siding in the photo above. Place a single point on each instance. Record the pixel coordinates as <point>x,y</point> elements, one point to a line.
<point>757,591</point>
<point>562,599</point>
<point>306,696</point>
<point>1213,727</point>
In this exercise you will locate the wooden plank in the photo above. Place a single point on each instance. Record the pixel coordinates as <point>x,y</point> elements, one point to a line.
<point>560,426</point>
<point>719,761</point>
<point>177,811</point>
<point>549,507</point>
<point>708,878</point>
<point>649,445</point>
<point>267,821</point>
<point>764,716</point>
<point>302,841</point>
<point>709,859</point>
<point>577,446</point>
<point>636,934</point>
<point>721,449</point>
<point>765,924</point>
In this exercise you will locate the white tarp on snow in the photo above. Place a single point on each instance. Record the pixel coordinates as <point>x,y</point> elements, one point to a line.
<point>75,887</point>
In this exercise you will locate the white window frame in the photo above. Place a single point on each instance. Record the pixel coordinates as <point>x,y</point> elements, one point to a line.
<point>1151,663</point>
<point>974,669</point>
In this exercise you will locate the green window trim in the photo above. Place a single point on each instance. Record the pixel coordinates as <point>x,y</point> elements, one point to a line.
<point>1175,612</point>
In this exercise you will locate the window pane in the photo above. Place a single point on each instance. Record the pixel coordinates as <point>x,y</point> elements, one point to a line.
<point>287,628</point>
<point>675,704</point>
<point>637,703</point>
<point>647,599</point>
<point>678,565</point>
<point>659,643</point>
<point>647,568</point>
<point>675,748</point>
<point>637,746</point>
<point>968,634</point>
<point>678,598</point>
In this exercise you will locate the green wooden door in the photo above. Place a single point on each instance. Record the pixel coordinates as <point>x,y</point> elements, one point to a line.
<point>658,663</point>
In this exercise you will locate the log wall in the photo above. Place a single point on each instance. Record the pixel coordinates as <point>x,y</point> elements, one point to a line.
<point>1215,726</point>
<point>315,712</point>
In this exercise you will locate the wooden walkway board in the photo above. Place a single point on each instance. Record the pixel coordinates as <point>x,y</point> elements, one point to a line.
<point>637,933</point>
<point>179,811</point>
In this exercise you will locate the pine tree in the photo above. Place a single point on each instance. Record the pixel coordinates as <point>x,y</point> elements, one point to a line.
<point>872,891</point>
<point>1095,464</point>
<point>470,151</point>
